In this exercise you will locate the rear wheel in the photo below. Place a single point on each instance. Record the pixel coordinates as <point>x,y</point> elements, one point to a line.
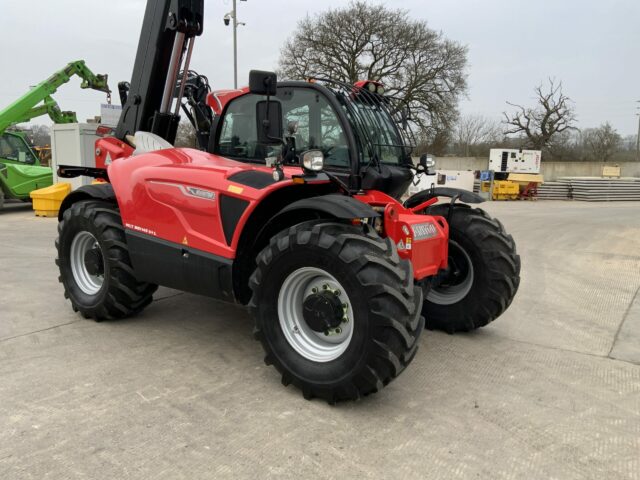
<point>336,310</point>
<point>94,263</point>
<point>483,274</point>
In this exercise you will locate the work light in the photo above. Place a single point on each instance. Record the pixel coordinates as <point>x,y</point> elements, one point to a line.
<point>313,160</point>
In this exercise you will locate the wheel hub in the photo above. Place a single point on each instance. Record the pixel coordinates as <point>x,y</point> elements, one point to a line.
<point>323,311</point>
<point>94,262</point>
<point>315,314</point>
<point>87,263</point>
<point>454,284</point>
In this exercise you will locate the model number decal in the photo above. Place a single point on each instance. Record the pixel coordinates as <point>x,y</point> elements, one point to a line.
<point>422,231</point>
<point>189,190</point>
<point>138,228</point>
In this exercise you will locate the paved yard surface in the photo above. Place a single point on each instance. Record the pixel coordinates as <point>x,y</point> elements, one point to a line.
<point>550,390</point>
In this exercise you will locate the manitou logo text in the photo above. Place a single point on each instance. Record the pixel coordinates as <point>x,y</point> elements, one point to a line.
<point>424,230</point>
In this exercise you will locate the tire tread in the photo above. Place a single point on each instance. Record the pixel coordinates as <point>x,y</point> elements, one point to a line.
<point>395,339</point>
<point>126,296</point>
<point>501,266</point>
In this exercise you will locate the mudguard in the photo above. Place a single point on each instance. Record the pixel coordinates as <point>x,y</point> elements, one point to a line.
<point>464,196</point>
<point>335,205</point>
<point>101,191</point>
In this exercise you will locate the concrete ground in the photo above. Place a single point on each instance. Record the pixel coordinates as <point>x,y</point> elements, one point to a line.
<point>550,390</point>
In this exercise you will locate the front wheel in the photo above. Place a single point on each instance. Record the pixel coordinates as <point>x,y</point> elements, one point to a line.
<point>94,263</point>
<point>483,274</point>
<point>336,309</point>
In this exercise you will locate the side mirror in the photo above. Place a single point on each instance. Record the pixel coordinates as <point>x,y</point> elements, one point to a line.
<point>427,162</point>
<point>263,83</point>
<point>269,122</point>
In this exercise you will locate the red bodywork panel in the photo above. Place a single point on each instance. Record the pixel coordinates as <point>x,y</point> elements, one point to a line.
<point>110,148</point>
<point>152,192</point>
<point>422,239</point>
<point>218,100</point>
<point>155,193</point>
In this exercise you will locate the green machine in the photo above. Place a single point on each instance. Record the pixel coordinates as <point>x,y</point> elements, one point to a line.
<point>20,169</point>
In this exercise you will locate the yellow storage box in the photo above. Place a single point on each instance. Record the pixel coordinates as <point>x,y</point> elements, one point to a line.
<point>47,201</point>
<point>505,190</point>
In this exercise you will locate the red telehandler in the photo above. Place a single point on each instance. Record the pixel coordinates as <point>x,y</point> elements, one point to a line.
<point>303,226</point>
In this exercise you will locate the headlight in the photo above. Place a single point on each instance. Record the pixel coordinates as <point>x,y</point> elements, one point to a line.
<point>313,160</point>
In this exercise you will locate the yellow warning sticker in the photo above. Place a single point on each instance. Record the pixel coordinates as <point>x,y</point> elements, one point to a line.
<point>235,189</point>
<point>185,241</point>
<point>408,243</point>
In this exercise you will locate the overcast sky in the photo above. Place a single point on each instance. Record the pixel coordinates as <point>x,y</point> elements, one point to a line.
<point>592,46</point>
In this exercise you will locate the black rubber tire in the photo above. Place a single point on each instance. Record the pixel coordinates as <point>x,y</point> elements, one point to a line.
<point>121,295</point>
<point>496,267</point>
<point>386,307</point>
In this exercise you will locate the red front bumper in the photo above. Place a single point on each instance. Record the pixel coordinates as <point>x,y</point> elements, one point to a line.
<point>421,239</point>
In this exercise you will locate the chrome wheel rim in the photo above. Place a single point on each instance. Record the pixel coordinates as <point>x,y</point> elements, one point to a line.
<point>450,294</point>
<point>312,344</point>
<point>89,283</point>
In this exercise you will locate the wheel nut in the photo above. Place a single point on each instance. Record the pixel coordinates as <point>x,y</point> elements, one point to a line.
<point>338,330</point>
<point>325,286</point>
<point>337,292</point>
<point>345,319</point>
<point>314,290</point>
<point>345,307</point>
<point>326,332</point>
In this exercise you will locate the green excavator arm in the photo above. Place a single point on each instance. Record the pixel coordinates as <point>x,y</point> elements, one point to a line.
<point>20,170</point>
<point>38,101</point>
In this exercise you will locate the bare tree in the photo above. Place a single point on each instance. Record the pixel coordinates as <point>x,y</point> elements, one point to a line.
<point>475,130</point>
<point>552,115</point>
<point>186,136</point>
<point>629,142</point>
<point>364,41</point>
<point>36,135</point>
<point>568,146</point>
<point>602,142</point>
<point>40,135</point>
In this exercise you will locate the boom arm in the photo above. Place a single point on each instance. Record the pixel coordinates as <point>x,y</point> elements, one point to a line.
<point>26,107</point>
<point>168,31</point>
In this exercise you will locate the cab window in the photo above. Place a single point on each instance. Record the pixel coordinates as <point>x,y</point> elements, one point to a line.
<point>238,137</point>
<point>307,117</point>
<point>13,147</point>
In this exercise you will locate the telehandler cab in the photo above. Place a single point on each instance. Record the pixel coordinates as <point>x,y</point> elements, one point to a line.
<point>304,227</point>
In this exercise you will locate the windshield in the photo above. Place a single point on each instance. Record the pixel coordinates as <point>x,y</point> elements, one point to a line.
<point>373,119</point>
<point>376,124</point>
